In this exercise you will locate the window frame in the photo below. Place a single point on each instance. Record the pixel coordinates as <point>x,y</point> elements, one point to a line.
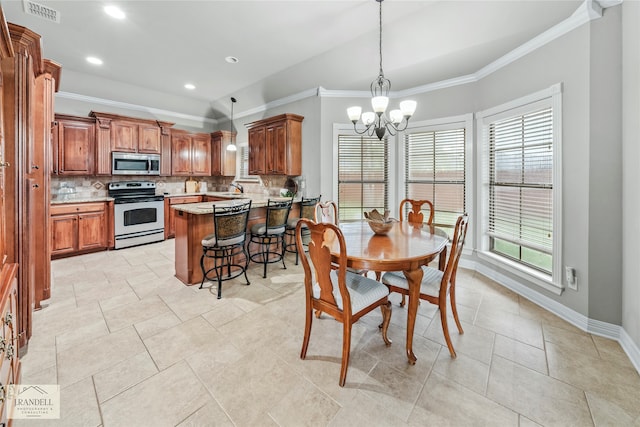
<point>347,129</point>
<point>446,123</point>
<point>550,97</point>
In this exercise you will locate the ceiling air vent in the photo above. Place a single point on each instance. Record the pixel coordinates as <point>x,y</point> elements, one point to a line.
<point>41,11</point>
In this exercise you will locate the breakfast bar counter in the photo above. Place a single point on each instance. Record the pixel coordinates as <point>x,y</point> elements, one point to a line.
<point>194,221</point>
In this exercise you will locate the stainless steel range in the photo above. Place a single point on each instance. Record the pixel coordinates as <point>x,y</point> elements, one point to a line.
<point>138,213</point>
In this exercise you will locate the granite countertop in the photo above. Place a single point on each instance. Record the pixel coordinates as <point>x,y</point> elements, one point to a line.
<point>207,207</point>
<point>80,199</point>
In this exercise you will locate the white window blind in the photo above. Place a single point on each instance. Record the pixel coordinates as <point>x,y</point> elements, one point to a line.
<point>363,167</point>
<point>521,188</point>
<point>244,161</point>
<point>435,171</point>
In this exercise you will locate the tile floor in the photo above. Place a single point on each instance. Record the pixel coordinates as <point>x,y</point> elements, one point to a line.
<point>130,345</point>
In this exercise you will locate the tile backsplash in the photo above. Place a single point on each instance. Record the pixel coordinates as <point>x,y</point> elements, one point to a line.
<point>84,187</point>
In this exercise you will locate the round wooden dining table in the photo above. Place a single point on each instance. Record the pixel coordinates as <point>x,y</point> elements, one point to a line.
<point>406,247</point>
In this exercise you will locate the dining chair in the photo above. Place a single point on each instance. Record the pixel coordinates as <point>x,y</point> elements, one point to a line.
<point>436,284</point>
<point>416,215</point>
<point>326,212</point>
<point>225,246</point>
<point>269,235</point>
<point>307,210</point>
<point>343,295</point>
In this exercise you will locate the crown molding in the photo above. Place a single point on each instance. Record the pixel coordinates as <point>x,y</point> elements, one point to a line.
<point>134,107</point>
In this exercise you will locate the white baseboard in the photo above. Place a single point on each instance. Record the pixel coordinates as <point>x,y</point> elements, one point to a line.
<point>596,327</point>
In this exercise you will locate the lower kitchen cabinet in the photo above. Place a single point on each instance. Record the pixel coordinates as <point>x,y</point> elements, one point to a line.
<point>170,214</point>
<point>9,358</point>
<point>80,227</point>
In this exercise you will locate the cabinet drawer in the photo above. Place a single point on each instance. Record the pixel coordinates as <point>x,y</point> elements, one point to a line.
<point>72,208</point>
<point>184,199</point>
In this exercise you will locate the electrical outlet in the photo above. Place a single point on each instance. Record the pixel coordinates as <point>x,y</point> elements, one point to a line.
<point>570,276</point>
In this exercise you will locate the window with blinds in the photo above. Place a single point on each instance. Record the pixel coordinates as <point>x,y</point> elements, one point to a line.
<point>435,171</point>
<point>520,223</point>
<point>363,167</point>
<point>244,160</point>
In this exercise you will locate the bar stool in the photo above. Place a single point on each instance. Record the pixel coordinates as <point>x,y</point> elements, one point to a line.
<point>307,210</point>
<point>269,235</point>
<point>226,244</point>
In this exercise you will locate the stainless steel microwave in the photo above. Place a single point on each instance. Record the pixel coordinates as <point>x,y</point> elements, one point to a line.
<point>135,164</point>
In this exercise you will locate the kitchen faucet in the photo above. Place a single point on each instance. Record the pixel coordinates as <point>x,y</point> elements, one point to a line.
<point>238,186</point>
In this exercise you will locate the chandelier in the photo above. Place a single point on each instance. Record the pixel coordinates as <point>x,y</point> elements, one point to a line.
<point>376,121</point>
<point>232,146</point>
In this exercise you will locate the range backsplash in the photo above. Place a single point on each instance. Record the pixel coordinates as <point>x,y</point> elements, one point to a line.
<point>82,187</point>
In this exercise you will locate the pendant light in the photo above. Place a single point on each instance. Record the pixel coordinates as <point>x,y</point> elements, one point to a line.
<point>232,146</point>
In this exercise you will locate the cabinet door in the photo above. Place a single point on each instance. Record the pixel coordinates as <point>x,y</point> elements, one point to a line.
<point>276,147</point>
<point>64,234</point>
<point>91,230</point>
<point>201,155</point>
<point>216,156</point>
<point>124,136</point>
<point>180,154</point>
<point>75,148</point>
<point>149,139</point>
<point>257,151</point>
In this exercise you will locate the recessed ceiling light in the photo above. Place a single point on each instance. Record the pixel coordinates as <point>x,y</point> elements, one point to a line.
<point>93,60</point>
<point>189,86</point>
<point>231,59</point>
<point>114,12</point>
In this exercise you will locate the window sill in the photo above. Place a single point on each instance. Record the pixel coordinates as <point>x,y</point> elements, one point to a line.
<point>529,274</point>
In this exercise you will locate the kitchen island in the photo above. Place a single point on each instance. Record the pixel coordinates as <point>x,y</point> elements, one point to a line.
<point>194,221</point>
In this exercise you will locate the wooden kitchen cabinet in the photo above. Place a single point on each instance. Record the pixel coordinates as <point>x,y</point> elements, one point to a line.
<point>223,162</point>
<point>170,214</point>
<point>275,145</point>
<point>79,227</point>
<point>129,135</point>
<point>9,360</point>
<point>73,140</point>
<point>190,154</point>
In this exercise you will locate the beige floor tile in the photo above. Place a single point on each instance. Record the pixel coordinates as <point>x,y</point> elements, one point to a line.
<point>538,397</point>
<point>511,325</point>
<point>123,375</point>
<point>223,313</point>
<point>186,304</point>
<point>611,350</point>
<point>304,404</point>
<point>392,389</point>
<point>88,292</point>
<point>463,370</point>
<point>210,414</point>
<point>162,322</point>
<point>116,301</point>
<point>475,342</point>
<point>571,340</point>
<point>135,312</point>
<point>443,402</point>
<point>523,354</point>
<point>165,399</point>
<point>178,342</point>
<point>606,413</point>
<point>54,321</point>
<point>79,335</point>
<point>605,378</point>
<point>97,354</point>
<point>363,410</point>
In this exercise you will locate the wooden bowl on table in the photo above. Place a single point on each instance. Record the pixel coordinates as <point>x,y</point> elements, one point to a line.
<point>380,227</point>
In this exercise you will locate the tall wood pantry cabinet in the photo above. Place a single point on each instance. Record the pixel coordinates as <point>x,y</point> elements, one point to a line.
<point>275,145</point>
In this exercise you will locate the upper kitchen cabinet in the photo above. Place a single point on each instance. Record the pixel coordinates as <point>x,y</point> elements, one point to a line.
<point>129,135</point>
<point>223,162</point>
<point>73,140</point>
<point>275,145</point>
<point>190,153</point>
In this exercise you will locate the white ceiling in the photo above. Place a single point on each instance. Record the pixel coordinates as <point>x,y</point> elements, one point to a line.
<point>284,47</point>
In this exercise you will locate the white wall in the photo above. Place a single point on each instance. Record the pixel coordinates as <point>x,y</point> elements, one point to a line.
<point>631,171</point>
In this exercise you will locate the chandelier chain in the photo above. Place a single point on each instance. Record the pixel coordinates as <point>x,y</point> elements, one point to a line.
<point>380,38</point>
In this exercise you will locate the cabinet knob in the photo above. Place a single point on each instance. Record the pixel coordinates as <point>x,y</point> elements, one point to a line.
<point>5,164</point>
<point>35,167</point>
<point>8,319</point>
<point>36,185</point>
